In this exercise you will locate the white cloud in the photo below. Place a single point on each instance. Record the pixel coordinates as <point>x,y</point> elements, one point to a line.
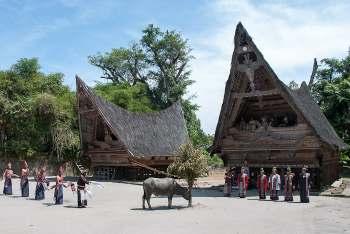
<point>289,36</point>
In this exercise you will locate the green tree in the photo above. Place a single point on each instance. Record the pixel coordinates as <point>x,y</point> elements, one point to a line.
<point>293,85</point>
<point>189,165</point>
<point>135,98</point>
<point>160,59</point>
<point>332,92</point>
<point>151,75</point>
<point>169,55</point>
<point>122,65</point>
<point>31,105</point>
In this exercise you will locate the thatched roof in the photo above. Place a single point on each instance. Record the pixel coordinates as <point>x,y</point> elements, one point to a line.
<point>315,116</point>
<point>300,99</point>
<point>143,134</point>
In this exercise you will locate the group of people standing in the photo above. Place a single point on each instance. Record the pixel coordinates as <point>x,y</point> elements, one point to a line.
<point>42,184</point>
<point>8,174</point>
<point>269,184</point>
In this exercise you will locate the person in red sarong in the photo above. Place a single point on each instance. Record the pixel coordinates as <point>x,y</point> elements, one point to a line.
<point>262,184</point>
<point>242,182</point>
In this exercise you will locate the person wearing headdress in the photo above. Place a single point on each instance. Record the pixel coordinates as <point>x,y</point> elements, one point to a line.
<point>41,183</point>
<point>8,174</point>
<point>288,185</point>
<point>274,184</point>
<point>228,183</point>
<point>82,181</point>
<point>304,185</point>
<point>24,179</point>
<point>58,195</point>
<point>242,182</point>
<point>262,184</point>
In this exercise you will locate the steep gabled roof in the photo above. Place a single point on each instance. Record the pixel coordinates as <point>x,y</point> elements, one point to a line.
<point>313,114</point>
<point>300,99</point>
<point>143,134</point>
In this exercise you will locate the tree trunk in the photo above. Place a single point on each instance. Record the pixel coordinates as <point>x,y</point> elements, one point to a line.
<point>190,185</point>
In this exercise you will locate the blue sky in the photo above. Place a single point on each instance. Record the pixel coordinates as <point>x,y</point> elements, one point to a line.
<point>63,33</point>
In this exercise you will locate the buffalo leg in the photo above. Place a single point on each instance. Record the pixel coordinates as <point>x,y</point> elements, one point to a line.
<point>143,201</point>
<point>170,199</point>
<point>149,203</point>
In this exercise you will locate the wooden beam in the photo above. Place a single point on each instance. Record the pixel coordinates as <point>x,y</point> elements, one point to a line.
<point>235,110</point>
<point>279,108</point>
<point>86,111</point>
<point>270,102</point>
<point>256,93</point>
<point>133,161</point>
<point>237,101</point>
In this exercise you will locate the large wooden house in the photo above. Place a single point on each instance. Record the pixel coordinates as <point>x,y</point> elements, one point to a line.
<point>111,135</point>
<point>268,124</point>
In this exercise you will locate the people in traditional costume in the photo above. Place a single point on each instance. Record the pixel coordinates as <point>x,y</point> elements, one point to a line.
<point>8,174</point>
<point>24,179</point>
<point>242,182</point>
<point>246,168</point>
<point>58,195</point>
<point>304,185</point>
<point>82,181</point>
<point>41,184</point>
<point>288,185</point>
<point>262,184</point>
<point>274,184</point>
<point>228,184</point>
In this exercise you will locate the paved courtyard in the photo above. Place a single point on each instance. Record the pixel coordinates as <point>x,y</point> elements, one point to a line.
<point>117,209</point>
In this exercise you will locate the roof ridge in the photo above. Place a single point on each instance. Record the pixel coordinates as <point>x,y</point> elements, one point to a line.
<point>155,112</point>
<point>144,134</point>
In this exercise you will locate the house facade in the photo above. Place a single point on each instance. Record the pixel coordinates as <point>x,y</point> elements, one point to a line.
<point>268,124</point>
<point>111,136</point>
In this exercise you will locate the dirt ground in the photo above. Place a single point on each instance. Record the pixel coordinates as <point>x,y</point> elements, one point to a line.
<point>117,209</point>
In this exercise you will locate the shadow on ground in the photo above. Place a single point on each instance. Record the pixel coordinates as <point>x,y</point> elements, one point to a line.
<point>161,208</point>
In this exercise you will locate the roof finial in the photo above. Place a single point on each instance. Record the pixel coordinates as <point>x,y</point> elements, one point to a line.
<point>313,73</point>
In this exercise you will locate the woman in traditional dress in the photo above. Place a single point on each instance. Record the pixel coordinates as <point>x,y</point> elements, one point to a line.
<point>228,185</point>
<point>262,184</point>
<point>288,185</point>
<point>41,184</point>
<point>59,187</point>
<point>274,184</point>
<point>8,174</point>
<point>304,185</point>
<point>24,179</point>
<point>242,182</point>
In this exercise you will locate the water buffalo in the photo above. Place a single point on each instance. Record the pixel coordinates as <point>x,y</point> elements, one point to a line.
<point>162,186</point>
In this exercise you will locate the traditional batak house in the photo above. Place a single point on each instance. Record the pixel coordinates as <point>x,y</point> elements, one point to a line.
<point>111,135</point>
<point>268,124</point>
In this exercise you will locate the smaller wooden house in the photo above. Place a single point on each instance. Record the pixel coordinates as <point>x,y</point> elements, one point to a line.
<point>110,135</point>
<point>268,124</point>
